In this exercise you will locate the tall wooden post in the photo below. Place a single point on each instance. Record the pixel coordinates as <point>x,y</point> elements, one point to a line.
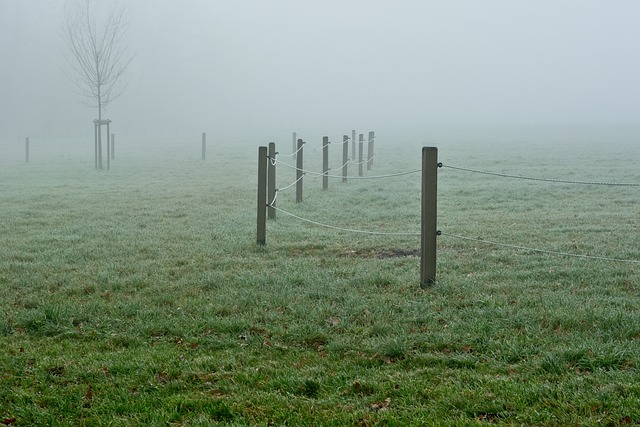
<point>360,154</point>
<point>108,146</point>
<point>370,151</point>
<point>95,142</point>
<point>345,156</point>
<point>325,162</point>
<point>26,149</point>
<point>299,173</point>
<point>271,181</point>
<point>353,144</point>
<point>429,216</point>
<point>113,146</point>
<point>204,145</point>
<point>262,196</point>
<point>99,145</point>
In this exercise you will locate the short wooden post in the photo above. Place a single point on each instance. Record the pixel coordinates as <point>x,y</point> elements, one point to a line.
<point>295,144</point>
<point>262,196</point>
<point>108,146</point>
<point>271,181</point>
<point>345,156</point>
<point>204,145</point>
<point>113,146</point>
<point>353,144</point>
<point>360,154</point>
<point>370,151</point>
<point>26,149</point>
<point>299,173</point>
<point>325,162</point>
<point>95,142</point>
<point>429,230</point>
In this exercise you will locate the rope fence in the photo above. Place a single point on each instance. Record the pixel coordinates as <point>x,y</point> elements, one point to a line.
<point>530,178</point>
<point>428,230</point>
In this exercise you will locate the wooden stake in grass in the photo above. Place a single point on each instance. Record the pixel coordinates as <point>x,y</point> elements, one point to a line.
<point>360,153</point>
<point>325,162</point>
<point>271,181</point>
<point>353,144</point>
<point>370,151</point>
<point>299,173</point>
<point>429,213</point>
<point>345,156</point>
<point>262,196</point>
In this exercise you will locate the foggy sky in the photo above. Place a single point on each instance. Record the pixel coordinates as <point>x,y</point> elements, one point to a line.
<point>276,66</point>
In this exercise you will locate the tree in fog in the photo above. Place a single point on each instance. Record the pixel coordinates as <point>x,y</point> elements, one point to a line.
<point>98,52</point>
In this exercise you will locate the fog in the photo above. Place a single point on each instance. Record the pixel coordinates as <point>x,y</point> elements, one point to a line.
<point>266,68</point>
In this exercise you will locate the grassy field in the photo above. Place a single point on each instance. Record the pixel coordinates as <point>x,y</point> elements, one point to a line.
<point>137,296</point>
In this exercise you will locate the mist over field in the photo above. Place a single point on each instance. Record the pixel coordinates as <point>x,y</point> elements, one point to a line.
<point>256,71</point>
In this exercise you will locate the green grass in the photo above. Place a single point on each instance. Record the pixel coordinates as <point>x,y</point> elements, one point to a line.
<point>137,296</point>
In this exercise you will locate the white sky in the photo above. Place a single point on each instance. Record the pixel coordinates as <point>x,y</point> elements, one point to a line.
<point>271,67</point>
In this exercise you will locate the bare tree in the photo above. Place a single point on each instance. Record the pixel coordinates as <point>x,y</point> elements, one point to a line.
<point>98,54</point>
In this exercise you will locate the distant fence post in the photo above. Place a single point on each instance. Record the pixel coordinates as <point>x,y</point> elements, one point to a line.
<point>353,144</point>
<point>262,196</point>
<point>26,149</point>
<point>295,144</point>
<point>271,181</point>
<point>429,216</point>
<point>325,162</point>
<point>360,154</point>
<point>95,142</point>
<point>108,146</point>
<point>345,156</point>
<point>204,145</point>
<point>370,151</point>
<point>299,168</point>
<point>113,146</point>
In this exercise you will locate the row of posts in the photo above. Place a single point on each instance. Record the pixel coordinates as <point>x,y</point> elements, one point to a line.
<point>111,146</point>
<point>267,196</point>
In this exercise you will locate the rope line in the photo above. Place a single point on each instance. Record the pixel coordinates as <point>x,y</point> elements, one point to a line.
<point>538,250</point>
<point>290,185</point>
<point>294,153</point>
<point>351,230</point>
<point>275,196</point>
<point>316,174</point>
<point>504,175</point>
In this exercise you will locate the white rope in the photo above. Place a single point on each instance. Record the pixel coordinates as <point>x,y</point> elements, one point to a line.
<point>504,175</point>
<point>540,250</point>
<point>290,185</point>
<point>380,233</point>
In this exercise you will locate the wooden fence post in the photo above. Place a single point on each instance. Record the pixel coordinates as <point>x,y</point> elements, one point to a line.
<point>299,173</point>
<point>353,144</point>
<point>345,156</point>
<point>370,151</point>
<point>271,180</point>
<point>204,145</point>
<point>262,196</point>
<point>95,143</point>
<point>429,230</point>
<point>113,146</point>
<point>360,154</point>
<point>108,146</point>
<point>325,162</point>
<point>26,149</point>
